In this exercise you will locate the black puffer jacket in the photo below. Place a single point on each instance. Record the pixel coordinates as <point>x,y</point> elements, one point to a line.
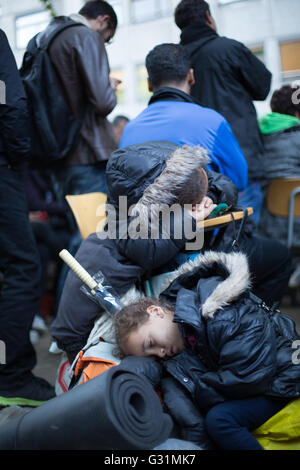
<point>14,130</point>
<point>126,263</point>
<point>228,78</point>
<point>240,348</point>
<point>149,174</point>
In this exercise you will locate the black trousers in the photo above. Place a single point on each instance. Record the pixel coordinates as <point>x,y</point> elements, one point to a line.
<point>20,292</point>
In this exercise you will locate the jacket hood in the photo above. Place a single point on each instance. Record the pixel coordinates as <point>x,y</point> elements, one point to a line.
<point>221,278</point>
<point>151,173</point>
<point>276,122</point>
<point>197,35</point>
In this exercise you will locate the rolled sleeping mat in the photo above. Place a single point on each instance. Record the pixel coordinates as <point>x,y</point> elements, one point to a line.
<point>116,410</point>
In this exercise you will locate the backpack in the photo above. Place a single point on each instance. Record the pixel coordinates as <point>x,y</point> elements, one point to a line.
<point>54,129</point>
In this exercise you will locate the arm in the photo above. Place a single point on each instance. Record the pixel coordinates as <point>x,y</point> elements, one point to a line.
<point>256,78</point>
<point>151,253</point>
<point>14,128</point>
<point>230,158</point>
<point>185,413</point>
<point>94,68</point>
<point>221,189</point>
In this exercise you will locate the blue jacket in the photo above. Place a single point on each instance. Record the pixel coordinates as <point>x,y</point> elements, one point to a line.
<point>173,116</point>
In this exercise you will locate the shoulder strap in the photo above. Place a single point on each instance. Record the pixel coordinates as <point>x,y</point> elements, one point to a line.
<point>44,38</point>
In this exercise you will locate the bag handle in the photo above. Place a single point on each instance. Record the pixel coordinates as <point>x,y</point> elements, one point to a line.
<point>235,243</point>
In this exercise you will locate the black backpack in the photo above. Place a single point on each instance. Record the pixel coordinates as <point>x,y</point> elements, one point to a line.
<point>54,129</point>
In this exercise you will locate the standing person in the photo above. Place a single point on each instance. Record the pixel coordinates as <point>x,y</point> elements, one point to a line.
<point>80,61</point>
<point>173,115</point>
<point>19,258</point>
<point>228,77</point>
<point>82,71</point>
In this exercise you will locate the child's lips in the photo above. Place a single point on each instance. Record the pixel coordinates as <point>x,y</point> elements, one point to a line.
<point>172,351</point>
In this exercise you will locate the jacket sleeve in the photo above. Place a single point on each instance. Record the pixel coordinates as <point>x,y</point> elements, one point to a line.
<point>255,76</point>
<point>14,126</point>
<point>246,363</point>
<point>151,253</point>
<point>230,158</point>
<point>221,189</point>
<point>93,65</point>
<point>147,367</point>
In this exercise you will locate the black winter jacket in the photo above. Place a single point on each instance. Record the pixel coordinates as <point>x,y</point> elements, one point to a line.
<point>149,174</point>
<point>14,130</point>
<point>236,346</point>
<point>228,78</point>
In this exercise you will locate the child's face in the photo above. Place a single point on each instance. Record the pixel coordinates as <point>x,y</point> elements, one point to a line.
<point>159,336</point>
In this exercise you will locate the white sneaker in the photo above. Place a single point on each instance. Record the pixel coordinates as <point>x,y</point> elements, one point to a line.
<point>295,278</point>
<point>38,324</point>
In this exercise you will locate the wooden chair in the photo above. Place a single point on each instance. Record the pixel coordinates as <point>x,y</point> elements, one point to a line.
<point>89,212</point>
<point>221,220</point>
<point>283,199</point>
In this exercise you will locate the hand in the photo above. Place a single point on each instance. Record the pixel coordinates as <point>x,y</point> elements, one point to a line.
<point>201,211</point>
<point>115,82</point>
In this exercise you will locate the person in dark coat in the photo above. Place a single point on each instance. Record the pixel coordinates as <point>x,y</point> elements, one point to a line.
<point>156,175</point>
<point>148,174</point>
<point>234,356</point>
<point>228,77</point>
<point>19,258</point>
<point>126,263</point>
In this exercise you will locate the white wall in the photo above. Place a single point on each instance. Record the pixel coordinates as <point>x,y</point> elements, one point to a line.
<point>254,22</point>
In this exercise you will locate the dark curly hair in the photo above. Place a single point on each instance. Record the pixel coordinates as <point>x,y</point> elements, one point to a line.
<point>190,12</point>
<point>131,317</point>
<point>286,100</point>
<point>167,63</point>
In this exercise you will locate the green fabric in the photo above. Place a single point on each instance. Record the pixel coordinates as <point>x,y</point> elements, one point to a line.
<point>275,122</point>
<point>4,401</point>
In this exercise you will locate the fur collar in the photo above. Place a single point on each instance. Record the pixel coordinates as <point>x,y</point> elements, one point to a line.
<point>237,282</point>
<point>162,192</point>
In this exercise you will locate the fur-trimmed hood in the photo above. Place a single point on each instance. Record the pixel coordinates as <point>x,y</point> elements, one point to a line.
<point>151,173</point>
<point>233,279</point>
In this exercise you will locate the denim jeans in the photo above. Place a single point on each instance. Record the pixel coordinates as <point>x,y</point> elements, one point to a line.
<point>229,424</point>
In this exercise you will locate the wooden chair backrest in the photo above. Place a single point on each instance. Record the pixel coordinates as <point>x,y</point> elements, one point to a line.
<point>89,212</point>
<point>278,196</point>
